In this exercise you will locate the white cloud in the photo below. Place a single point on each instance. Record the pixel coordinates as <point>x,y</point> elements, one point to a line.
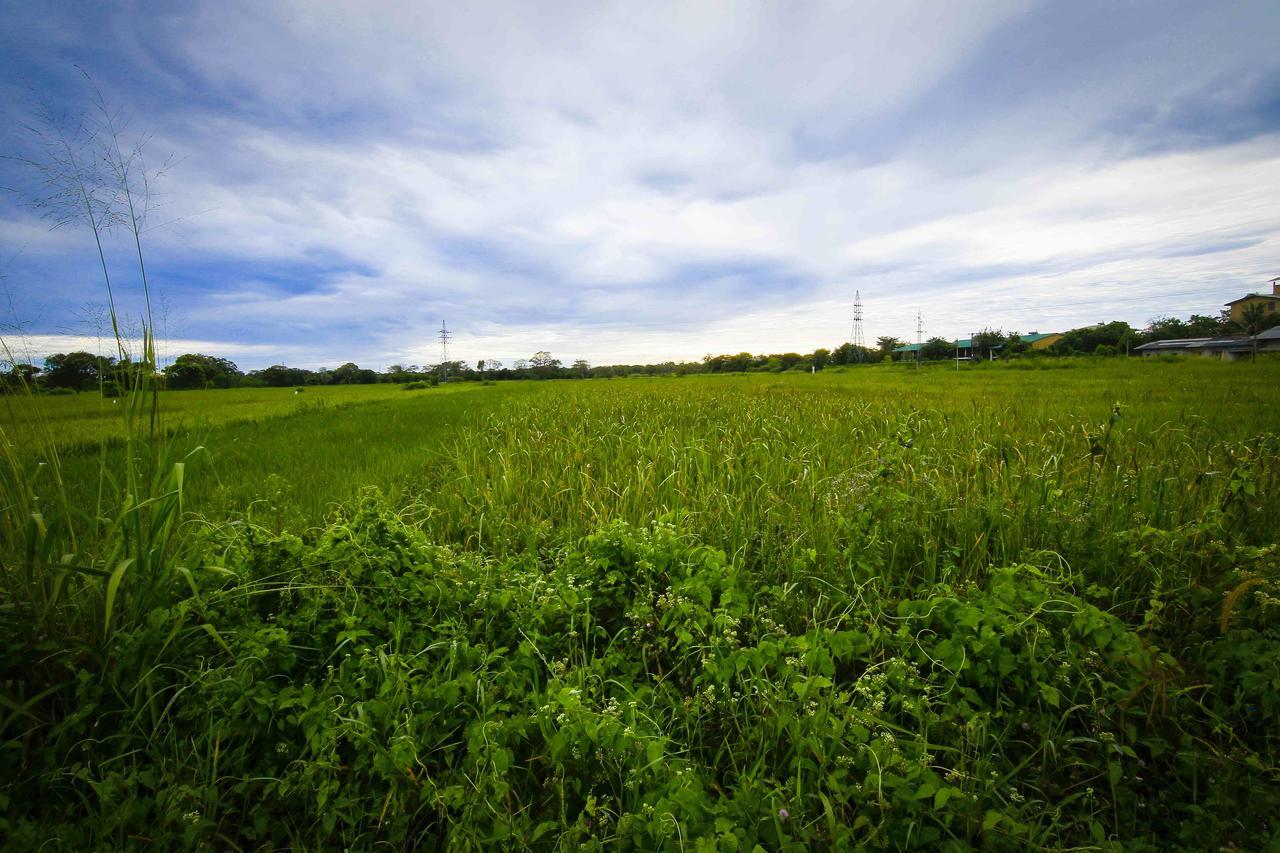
<point>631,182</point>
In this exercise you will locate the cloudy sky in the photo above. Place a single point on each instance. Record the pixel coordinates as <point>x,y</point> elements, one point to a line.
<point>636,181</point>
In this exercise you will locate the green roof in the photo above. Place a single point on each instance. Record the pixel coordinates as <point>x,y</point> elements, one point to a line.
<point>967,343</point>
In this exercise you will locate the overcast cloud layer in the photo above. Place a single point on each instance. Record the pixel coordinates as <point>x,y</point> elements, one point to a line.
<point>640,181</point>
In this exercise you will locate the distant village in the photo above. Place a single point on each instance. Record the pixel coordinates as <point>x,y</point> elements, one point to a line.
<point>1245,327</point>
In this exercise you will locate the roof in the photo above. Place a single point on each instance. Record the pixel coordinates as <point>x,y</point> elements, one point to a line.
<point>1197,343</point>
<point>967,343</point>
<point>1252,296</point>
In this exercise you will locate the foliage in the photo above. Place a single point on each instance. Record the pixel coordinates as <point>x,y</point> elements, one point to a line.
<point>194,370</point>
<point>937,349</point>
<point>1087,339</point>
<point>986,342</point>
<point>886,344</point>
<point>633,689</point>
<point>79,371</point>
<point>880,608</point>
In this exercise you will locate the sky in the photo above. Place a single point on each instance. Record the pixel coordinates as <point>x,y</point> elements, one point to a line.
<point>637,182</point>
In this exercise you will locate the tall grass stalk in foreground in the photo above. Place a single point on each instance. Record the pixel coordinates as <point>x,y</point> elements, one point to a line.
<point>72,571</point>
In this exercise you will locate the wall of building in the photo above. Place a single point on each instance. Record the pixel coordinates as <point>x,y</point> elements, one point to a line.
<point>1046,342</point>
<point>1269,303</point>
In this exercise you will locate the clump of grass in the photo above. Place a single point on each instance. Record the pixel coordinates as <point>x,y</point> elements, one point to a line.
<point>82,569</point>
<point>637,688</point>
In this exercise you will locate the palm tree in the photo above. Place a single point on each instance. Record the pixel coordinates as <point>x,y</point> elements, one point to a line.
<point>1253,320</point>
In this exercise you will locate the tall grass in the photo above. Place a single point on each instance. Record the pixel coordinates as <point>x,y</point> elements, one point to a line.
<point>82,565</point>
<point>915,483</point>
<point>877,608</point>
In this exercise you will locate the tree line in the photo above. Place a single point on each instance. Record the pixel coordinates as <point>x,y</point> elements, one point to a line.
<point>83,371</point>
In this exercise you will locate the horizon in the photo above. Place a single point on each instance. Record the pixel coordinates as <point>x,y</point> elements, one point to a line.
<point>638,188</point>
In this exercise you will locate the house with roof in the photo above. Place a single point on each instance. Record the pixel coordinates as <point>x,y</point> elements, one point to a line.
<point>1226,349</point>
<point>1232,347</point>
<point>1237,307</point>
<point>964,346</point>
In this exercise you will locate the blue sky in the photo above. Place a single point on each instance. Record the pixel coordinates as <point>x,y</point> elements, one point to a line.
<point>641,181</point>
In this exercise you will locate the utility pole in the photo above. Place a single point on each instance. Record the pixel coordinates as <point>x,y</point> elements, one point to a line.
<point>857,340</point>
<point>919,336</point>
<point>444,351</point>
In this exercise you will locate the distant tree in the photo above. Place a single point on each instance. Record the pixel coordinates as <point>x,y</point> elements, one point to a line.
<point>455,370</point>
<point>581,367</point>
<point>352,374</point>
<point>20,376</point>
<point>886,344</point>
<point>184,376</point>
<point>937,349</point>
<point>788,360</point>
<point>1253,321</point>
<point>1088,338</point>
<point>195,370</point>
<point>820,358</point>
<point>847,353</point>
<point>1167,329</point>
<point>1208,327</point>
<point>543,365</point>
<point>280,376</point>
<point>399,374</point>
<point>521,364</point>
<point>988,341</point>
<point>1015,345</point>
<point>79,370</point>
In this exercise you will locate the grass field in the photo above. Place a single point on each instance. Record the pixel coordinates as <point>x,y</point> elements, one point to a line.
<point>996,607</point>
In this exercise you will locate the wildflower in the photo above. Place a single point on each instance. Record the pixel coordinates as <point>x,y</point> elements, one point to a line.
<point>1026,727</point>
<point>784,814</point>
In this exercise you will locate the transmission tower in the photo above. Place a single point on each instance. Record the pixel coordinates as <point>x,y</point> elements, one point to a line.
<point>858,343</point>
<point>444,350</point>
<point>919,336</point>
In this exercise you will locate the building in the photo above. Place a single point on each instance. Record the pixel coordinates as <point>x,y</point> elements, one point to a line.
<point>1227,349</point>
<point>964,346</point>
<point>1237,306</point>
<point>1042,341</point>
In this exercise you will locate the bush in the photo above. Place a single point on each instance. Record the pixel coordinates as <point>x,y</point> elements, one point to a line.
<point>373,687</point>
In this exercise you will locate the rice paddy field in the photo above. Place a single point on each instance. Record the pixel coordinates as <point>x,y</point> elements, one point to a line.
<point>994,608</point>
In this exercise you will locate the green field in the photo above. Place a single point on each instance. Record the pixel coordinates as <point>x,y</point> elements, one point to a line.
<point>991,608</point>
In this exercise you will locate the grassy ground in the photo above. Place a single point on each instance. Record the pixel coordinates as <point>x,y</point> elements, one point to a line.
<point>998,607</point>
<point>86,419</point>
